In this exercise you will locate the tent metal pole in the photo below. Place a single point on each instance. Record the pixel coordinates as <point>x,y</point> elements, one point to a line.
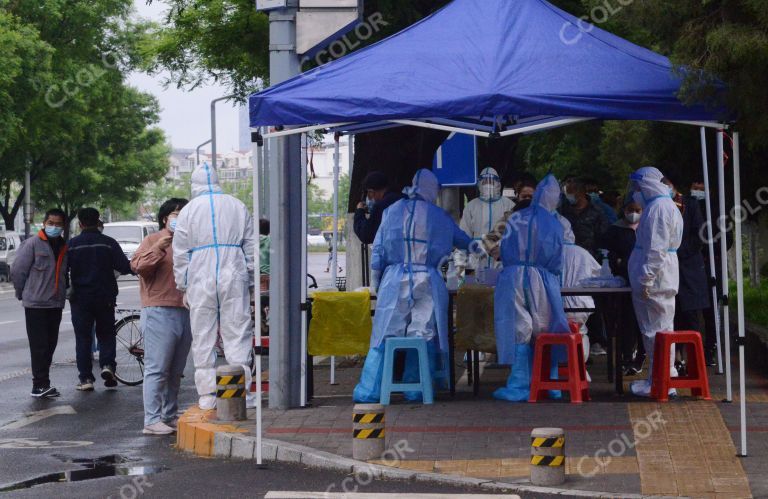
<point>706,124</point>
<point>335,260</point>
<point>303,377</point>
<point>256,148</point>
<point>738,215</point>
<point>711,248</point>
<point>443,128</point>
<point>543,126</point>
<point>724,263</point>
<point>304,129</point>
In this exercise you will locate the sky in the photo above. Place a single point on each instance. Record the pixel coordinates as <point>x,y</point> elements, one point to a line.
<point>185,116</point>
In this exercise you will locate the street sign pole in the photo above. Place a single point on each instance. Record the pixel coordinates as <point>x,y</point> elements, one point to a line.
<point>285,210</point>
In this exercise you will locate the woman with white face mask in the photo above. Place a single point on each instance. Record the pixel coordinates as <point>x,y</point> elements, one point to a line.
<point>619,240</point>
<point>164,321</point>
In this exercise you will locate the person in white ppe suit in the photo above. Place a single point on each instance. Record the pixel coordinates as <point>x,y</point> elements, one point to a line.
<point>578,264</point>
<point>527,298</point>
<point>653,265</point>
<point>479,218</point>
<point>213,265</point>
<point>414,239</point>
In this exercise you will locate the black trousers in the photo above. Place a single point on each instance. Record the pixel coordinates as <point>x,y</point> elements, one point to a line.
<point>43,334</point>
<point>86,315</point>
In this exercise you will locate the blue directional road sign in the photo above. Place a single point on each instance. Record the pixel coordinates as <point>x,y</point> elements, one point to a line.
<point>455,163</point>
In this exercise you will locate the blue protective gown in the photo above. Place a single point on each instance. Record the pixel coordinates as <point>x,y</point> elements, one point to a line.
<point>527,299</point>
<point>415,238</point>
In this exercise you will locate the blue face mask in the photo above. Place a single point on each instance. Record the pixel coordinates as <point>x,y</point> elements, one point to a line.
<point>172,225</point>
<point>53,231</point>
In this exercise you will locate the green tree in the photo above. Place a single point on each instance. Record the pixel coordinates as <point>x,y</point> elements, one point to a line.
<point>83,133</point>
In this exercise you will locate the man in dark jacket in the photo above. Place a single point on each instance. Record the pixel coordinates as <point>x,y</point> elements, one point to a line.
<point>93,260</point>
<point>369,212</point>
<point>39,279</point>
<point>693,293</point>
<point>587,221</point>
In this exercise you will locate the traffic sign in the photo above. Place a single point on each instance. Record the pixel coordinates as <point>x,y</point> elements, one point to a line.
<point>455,162</point>
<point>271,4</point>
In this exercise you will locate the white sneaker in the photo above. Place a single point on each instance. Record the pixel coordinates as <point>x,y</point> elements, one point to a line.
<point>158,428</point>
<point>207,402</point>
<point>597,349</point>
<point>250,400</point>
<point>173,423</point>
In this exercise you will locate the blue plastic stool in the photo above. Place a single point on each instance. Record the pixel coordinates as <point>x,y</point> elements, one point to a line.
<point>425,378</point>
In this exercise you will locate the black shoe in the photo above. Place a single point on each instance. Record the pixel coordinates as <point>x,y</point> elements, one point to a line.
<point>108,375</point>
<point>47,392</point>
<point>631,370</point>
<point>682,369</point>
<point>710,358</point>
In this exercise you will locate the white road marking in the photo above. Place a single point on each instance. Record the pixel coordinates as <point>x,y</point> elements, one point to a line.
<point>2,323</point>
<point>36,416</point>
<point>128,287</point>
<point>34,443</point>
<point>359,495</point>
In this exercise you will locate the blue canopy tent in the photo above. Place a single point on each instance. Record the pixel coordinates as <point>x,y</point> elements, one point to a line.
<point>495,68</point>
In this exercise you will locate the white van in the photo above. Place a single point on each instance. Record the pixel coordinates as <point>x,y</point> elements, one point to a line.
<point>130,234</point>
<point>9,244</point>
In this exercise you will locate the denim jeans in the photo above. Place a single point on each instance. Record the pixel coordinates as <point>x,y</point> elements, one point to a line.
<point>167,339</point>
<point>84,315</point>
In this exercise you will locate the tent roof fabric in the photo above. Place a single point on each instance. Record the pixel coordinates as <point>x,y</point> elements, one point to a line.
<point>485,61</point>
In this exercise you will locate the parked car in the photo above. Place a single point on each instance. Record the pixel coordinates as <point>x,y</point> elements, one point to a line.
<point>130,234</point>
<point>9,244</point>
<point>316,240</point>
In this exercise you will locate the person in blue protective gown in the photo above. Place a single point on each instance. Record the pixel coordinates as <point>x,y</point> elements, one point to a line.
<point>414,239</point>
<point>527,299</point>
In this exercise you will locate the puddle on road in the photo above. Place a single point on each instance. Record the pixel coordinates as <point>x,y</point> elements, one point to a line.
<point>91,469</point>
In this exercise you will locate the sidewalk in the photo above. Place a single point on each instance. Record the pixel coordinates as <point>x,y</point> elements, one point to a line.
<point>614,444</point>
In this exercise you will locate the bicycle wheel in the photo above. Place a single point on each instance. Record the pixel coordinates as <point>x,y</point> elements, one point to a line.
<point>130,351</point>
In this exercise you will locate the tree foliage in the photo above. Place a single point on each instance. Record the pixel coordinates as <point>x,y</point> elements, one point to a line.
<point>85,135</point>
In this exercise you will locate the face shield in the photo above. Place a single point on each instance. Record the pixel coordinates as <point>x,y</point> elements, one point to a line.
<point>489,185</point>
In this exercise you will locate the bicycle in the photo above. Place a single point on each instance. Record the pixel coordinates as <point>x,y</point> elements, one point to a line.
<point>130,348</point>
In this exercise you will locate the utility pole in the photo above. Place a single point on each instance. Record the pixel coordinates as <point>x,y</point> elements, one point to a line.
<point>197,150</point>
<point>285,220</point>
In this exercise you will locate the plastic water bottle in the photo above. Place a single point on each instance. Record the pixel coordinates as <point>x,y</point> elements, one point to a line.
<point>452,277</point>
<point>605,269</point>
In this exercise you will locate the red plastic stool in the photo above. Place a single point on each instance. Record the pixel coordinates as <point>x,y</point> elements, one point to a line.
<point>696,380</point>
<point>576,381</point>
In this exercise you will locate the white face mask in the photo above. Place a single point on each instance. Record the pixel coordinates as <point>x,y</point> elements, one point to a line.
<point>698,195</point>
<point>632,217</point>
<point>490,191</point>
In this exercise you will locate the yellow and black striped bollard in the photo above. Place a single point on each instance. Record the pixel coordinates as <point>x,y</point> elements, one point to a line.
<point>230,393</point>
<point>547,456</point>
<point>368,434</point>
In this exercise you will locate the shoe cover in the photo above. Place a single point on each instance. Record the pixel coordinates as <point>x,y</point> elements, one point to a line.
<point>518,387</point>
<point>207,402</point>
<point>642,388</point>
<point>368,390</point>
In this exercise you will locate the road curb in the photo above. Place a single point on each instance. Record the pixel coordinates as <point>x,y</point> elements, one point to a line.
<point>199,434</point>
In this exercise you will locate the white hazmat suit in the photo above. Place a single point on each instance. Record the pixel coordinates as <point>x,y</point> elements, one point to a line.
<point>578,264</point>
<point>480,217</point>
<point>653,266</point>
<point>213,264</point>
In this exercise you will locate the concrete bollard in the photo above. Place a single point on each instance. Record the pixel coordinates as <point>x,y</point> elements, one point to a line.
<point>547,456</point>
<point>367,431</point>
<point>230,393</point>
